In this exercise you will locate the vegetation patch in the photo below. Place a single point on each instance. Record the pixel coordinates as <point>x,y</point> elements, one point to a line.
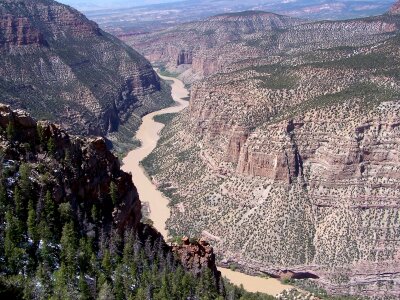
<point>165,118</point>
<point>277,81</point>
<point>361,62</point>
<point>162,70</point>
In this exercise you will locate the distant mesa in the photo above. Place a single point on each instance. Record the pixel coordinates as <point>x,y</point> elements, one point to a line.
<point>250,14</point>
<point>246,13</point>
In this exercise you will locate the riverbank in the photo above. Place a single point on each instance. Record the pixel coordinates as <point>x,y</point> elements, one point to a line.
<point>149,134</point>
<point>159,211</point>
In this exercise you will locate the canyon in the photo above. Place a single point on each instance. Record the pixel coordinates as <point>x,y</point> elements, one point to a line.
<point>287,156</point>
<point>133,19</point>
<point>284,163</point>
<point>156,205</point>
<point>59,66</point>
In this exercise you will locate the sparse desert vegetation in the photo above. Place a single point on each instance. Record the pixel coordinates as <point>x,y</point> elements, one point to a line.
<point>290,163</point>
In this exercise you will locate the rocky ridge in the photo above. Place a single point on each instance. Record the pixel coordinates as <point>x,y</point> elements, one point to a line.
<point>76,160</point>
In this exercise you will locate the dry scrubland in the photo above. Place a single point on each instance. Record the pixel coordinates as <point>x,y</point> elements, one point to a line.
<point>288,159</point>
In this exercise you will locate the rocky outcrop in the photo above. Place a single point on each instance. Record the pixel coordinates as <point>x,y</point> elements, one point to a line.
<point>80,170</point>
<point>198,257</point>
<point>58,65</point>
<point>184,58</point>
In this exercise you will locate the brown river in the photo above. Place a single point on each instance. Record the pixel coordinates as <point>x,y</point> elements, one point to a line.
<point>149,134</point>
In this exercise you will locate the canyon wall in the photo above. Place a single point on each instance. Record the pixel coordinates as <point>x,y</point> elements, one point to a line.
<point>218,42</point>
<point>58,65</point>
<point>290,166</point>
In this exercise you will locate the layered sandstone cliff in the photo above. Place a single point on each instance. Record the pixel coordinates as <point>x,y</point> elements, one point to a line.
<point>210,44</point>
<point>18,32</point>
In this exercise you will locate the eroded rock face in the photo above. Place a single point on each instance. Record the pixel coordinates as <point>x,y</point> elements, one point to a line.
<point>60,66</point>
<point>197,258</point>
<point>185,58</point>
<point>18,32</point>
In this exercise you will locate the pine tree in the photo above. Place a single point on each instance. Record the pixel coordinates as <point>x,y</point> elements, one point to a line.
<point>40,133</point>
<point>106,292</point>
<point>65,212</point>
<point>60,289</point>
<point>113,193</point>
<point>119,284</point>
<point>207,287</point>
<point>94,268</point>
<point>47,254</point>
<point>3,200</point>
<point>140,294</point>
<point>94,213</point>
<point>51,146</point>
<point>10,130</point>
<point>13,237</point>
<point>25,182</point>
<point>69,246</point>
<point>19,204</point>
<point>31,223</point>
<point>84,291</point>
<point>28,288</point>
<point>44,287</point>
<point>128,255</point>
<point>50,212</point>
<point>164,292</point>
<point>106,264</point>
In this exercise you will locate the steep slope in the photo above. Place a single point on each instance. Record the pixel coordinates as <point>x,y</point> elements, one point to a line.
<point>395,9</point>
<point>60,66</point>
<point>290,165</point>
<point>70,224</point>
<point>199,49</point>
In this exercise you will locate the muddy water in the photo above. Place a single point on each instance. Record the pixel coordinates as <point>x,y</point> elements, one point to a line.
<point>255,284</point>
<point>149,134</point>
